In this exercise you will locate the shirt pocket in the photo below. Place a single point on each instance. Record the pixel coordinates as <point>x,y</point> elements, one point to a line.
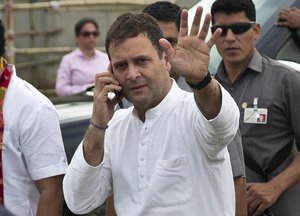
<point>171,182</point>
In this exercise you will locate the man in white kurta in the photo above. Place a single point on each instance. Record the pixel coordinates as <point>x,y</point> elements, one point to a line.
<point>166,155</point>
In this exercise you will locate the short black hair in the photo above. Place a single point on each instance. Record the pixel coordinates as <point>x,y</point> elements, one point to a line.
<point>79,25</point>
<point>130,25</point>
<point>233,7</point>
<point>165,11</point>
<point>2,39</point>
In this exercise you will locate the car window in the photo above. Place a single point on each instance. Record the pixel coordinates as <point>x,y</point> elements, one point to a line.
<point>290,51</point>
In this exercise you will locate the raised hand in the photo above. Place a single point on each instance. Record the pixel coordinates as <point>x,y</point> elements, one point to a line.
<point>191,57</point>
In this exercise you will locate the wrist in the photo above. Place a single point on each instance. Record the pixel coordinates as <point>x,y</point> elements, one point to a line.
<point>100,127</point>
<point>202,84</point>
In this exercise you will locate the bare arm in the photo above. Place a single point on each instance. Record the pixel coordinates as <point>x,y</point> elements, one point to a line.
<point>110,209</point>
<point>51,196</point>
<point>103,108</point>
<point>263,195</point>
<point>240,196</point>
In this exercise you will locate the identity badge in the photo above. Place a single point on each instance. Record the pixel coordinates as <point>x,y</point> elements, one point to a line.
<point>255,115</point>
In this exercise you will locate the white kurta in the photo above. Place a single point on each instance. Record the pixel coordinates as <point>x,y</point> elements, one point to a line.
<point>174,163</point>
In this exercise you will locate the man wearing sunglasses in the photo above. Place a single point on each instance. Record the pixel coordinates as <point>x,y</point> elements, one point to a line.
<point>77,69</point>
<point>267,94</point>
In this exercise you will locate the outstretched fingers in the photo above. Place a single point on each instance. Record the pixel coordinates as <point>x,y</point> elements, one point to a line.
<point>214,38</point>
<point>167,47</point>
<point>184,30</point>
<point>196,22</point>
<point>205,27</point>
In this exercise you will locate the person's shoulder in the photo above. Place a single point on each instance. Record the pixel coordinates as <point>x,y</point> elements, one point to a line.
<point>280,66</point>
<point>76,52</point>
<point>29,96</point>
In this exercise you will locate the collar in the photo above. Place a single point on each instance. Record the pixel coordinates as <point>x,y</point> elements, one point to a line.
<point>255,64</point>
<point>79,53</point>
<point>173,97</point>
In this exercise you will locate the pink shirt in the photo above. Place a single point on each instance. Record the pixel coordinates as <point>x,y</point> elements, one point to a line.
<point>76,72</point>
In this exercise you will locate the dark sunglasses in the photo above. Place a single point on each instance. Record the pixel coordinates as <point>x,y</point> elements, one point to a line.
<point>236,28</point>
<point>88,34</point>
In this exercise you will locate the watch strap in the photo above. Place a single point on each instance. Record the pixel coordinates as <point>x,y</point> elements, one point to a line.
<point>201,84</point>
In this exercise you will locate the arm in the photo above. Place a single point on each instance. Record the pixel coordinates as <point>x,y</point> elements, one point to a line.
<point>235,149</point>
<point>260,196</point>
<point>83,188</point>
<point>93,144</point>
<point>51,196</point>
<point>240,187</point>
<point>110,209</point>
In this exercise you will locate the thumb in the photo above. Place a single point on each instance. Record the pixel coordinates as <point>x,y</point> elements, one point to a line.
<point>167,48</point>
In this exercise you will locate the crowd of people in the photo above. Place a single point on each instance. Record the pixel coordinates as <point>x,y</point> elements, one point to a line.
<point>186,142</point>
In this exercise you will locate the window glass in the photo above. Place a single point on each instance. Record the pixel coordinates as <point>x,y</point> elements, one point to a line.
<point>290,51</point>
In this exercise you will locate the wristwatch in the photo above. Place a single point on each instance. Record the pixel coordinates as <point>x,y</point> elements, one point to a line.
<point>201,84</point>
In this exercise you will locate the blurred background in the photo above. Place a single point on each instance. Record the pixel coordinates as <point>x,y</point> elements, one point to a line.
<point>40,32</point>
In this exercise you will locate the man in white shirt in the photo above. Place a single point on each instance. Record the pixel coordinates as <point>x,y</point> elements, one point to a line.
<point>152,155</point>
<point>33,156</point>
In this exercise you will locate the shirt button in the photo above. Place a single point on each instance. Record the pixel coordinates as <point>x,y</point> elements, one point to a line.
<point>141,176</point>
<point>142,159</point>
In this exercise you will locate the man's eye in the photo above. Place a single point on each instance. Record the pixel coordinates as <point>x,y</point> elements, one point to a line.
<point>119,66</point>
<point>142,61</point>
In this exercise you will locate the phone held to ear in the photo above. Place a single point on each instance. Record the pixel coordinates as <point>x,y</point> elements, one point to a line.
<point>118,96</point>
<point>119,99</point>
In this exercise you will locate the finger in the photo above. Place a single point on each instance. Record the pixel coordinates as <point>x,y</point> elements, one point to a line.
<point>102,79</point>
<point>284,23</point>
<point>196,22</point>
<point>259,210</point>
<point>249,185</point>
<point>103,95</point>
<point>167,47</point>
<point>184,23</point>
<point>252,206</point>
<point>205,27</point>
<point>214,38</point>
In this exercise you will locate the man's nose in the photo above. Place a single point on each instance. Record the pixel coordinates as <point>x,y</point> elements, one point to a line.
<point>133,72</point>
<point>230,35</point>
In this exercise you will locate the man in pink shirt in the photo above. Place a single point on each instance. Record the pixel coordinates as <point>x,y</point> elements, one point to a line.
<point>77,69</point>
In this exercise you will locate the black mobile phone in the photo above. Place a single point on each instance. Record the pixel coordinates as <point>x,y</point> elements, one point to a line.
<point>118,94</point>
<point>119,99</point>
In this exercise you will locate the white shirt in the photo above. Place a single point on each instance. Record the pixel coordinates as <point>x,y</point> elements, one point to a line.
<point>175,163</point>
<point>32,146</point>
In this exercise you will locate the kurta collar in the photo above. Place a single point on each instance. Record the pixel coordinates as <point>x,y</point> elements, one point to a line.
<point>172,97</point>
